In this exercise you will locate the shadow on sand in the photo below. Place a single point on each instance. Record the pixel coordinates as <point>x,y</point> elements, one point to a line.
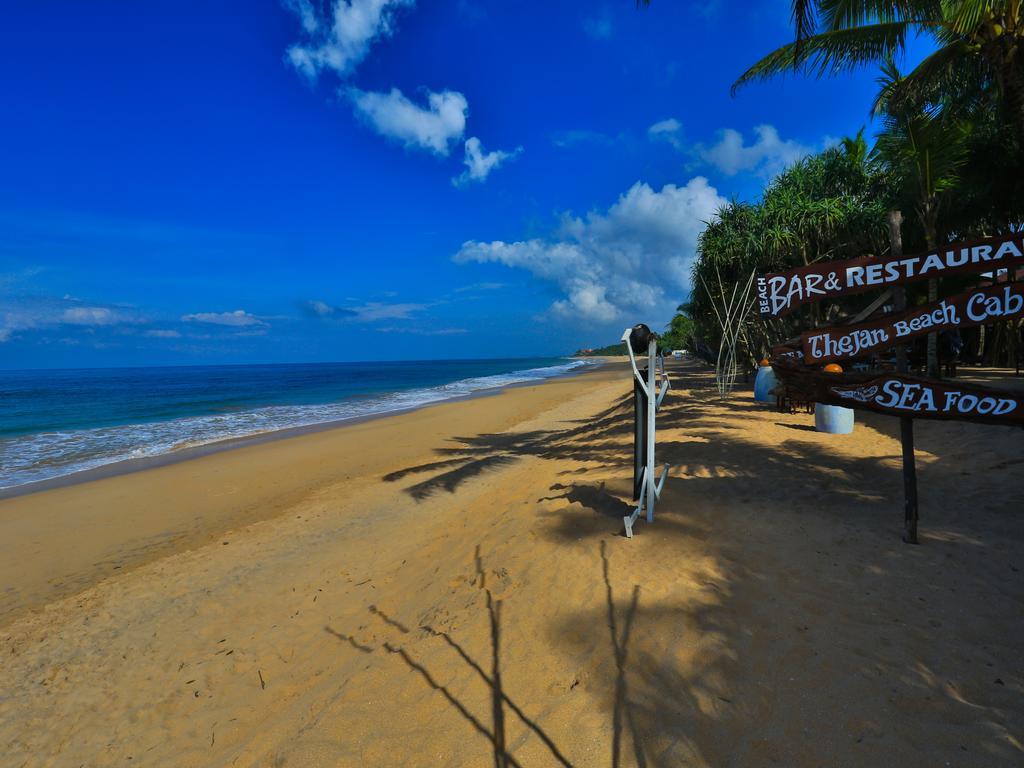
<point>495,734</point>
<point>665,712</point>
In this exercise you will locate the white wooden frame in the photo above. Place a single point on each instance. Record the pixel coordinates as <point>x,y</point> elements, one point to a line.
<point>650,488</point>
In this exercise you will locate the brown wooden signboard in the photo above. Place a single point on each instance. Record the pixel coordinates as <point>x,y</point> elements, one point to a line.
<point>975,307</point>
<point>779,294</point>
<point>901,395</point>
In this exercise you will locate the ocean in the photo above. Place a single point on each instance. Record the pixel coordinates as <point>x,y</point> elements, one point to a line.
<point>54,423</point>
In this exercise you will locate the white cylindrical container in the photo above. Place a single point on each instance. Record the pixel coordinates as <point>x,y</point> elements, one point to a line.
<point>833,419</point>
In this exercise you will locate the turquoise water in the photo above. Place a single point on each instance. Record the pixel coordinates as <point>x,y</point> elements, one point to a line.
<point>53,423</point>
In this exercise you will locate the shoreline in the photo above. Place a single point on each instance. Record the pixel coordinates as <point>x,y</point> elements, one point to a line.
<point>120,467</point>
<point>85,526</point>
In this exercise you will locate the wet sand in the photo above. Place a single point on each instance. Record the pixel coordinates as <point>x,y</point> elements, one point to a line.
<point>439,587</point>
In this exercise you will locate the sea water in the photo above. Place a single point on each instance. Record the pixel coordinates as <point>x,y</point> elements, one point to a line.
<point>57,422</point>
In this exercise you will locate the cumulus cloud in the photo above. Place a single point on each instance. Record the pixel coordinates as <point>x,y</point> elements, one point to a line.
<point>238,319</point>
<point>342,40</point>
<point>433,126</point>
<point>480,163</point>
<point>767,156</point>
<point>633,258</point>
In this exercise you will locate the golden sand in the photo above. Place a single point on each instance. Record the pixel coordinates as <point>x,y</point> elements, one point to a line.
<point>439,587</point>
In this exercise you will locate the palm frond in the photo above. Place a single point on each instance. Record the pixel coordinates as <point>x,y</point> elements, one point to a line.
<point>952,74</point>
<point>844,14</point>
<point>966,17</point>
<point>804,22</point>
<point>829,53</point>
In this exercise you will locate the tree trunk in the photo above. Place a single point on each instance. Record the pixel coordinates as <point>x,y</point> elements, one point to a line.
<point>933,296</point>
<point>1011,80</point>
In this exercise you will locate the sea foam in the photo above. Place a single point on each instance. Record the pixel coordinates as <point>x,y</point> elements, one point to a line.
<point>45,455</point>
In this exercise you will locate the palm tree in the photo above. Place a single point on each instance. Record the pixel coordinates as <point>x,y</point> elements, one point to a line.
<point>979,46</point>
<point>827,206</point>
<point>925,151</point>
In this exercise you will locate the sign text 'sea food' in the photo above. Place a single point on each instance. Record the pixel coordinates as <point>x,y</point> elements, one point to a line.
<point>898,395</point>
<point>781,293</point>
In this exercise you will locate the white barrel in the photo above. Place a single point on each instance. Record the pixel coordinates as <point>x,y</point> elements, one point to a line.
<point>764,383</point>
<point>833,419</point>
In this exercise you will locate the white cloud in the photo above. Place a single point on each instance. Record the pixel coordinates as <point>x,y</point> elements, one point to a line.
<point>480,163</point>
<point>239,318</point>
<point>374,310</point>
<point>669,125</point>
<point>767,156</point>
<point>432,127</point>
<point>634,258</point>
<point>39,312</point>
<point>341,42</point>
<point>89,316</point>
<point>363,313</point>
<point>319,308</point>
<point>667,130</point>
<point>161,333</point>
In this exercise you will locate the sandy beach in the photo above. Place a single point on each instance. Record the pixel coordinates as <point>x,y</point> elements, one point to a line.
<point>444,586</point>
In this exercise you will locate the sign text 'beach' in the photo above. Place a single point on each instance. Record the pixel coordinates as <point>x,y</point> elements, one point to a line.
<point>781,293</point>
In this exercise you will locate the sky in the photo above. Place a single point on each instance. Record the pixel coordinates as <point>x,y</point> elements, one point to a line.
<point>273,181</point>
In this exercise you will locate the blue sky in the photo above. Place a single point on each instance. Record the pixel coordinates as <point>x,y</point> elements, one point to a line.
<point>238,182</point>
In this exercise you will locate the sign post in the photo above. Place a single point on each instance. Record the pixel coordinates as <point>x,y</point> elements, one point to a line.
<point>910,512</point>
<point>897,393</point>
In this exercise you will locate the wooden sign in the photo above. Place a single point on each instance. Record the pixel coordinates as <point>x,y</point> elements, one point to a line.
<point>779,294</point>
<point>896,394</point>
<point>976,307</point>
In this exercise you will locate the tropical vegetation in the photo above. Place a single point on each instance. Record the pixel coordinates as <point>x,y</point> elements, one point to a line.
<point>947,153</point>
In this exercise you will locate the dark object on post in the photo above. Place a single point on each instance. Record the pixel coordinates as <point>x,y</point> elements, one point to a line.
<point>639,437</point>
<point>640,338</point>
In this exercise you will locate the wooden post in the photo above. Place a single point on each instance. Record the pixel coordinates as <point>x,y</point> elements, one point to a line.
<point>910,515</point>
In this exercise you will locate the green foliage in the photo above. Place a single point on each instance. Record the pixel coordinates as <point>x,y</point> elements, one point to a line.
<point>830,205</point>
<point>679,332</point>
<point>976,57</point>
<point>923,148</point>
<point>609,351</point>
<point>951,150</point>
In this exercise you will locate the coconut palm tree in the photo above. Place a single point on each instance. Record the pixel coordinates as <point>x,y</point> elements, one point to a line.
<point>979,47</point>
<point>925,151</point>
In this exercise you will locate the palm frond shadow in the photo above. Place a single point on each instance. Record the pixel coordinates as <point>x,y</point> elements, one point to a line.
<point>496,733</point>
<point>623,712</point>
<point>695,440</point>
